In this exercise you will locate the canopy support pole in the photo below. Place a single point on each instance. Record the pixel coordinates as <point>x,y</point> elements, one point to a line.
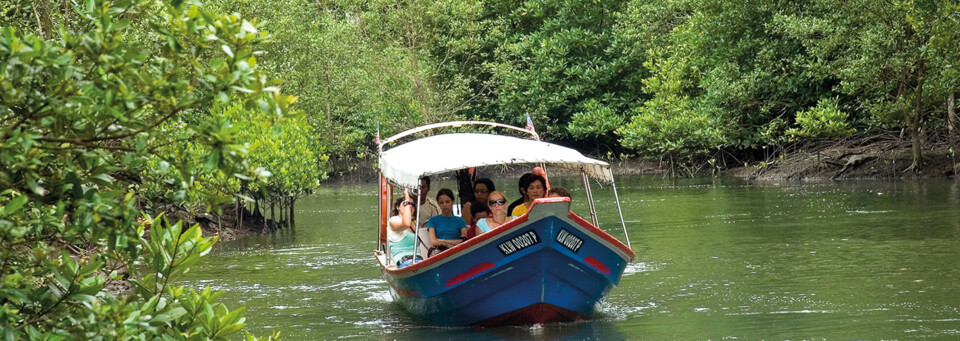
<point>416,228</point>
<point>620,210</point>
<point>593,207</point>
<point>380,191</point>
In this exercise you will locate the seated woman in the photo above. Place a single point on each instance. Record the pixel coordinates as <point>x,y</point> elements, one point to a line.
<point>498,213</point>
<point>446,230</point>
<point>525,180</point>
<point>535,190</point>
<point>400,233</point>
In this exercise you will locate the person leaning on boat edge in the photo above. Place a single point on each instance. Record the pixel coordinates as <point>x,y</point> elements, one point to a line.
<point>400,233</point>
<point>558,192</point>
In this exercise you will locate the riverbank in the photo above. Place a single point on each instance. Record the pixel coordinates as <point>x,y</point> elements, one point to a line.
<point>227,226</point>
<point>880,156</point>
<point>884,155</point>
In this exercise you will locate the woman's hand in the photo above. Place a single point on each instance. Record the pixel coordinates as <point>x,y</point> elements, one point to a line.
<point>450,242</point>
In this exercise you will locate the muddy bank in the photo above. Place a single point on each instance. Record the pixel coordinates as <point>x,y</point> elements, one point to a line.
<point>881,156</point>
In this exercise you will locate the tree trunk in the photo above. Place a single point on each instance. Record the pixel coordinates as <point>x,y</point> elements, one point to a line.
<point>282,204</point>
<point>913,120</point>
<point>239,216</point>
<point>42,12</point>
<point>951,114</point>
<point>293,202</point>
<point>65,10</point>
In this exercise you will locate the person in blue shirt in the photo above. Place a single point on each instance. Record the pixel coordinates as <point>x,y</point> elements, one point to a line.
<point>446,230</point>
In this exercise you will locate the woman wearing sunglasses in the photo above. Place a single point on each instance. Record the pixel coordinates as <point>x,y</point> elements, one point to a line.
<point>498,213</point>
<point>400,234</point>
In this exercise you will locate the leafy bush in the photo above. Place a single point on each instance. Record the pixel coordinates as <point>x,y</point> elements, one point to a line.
<point>672,127</point>
<point>824,120</point>
<point>80,114</point>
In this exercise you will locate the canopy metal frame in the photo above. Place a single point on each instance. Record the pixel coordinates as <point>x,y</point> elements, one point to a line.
<point>391,183</point>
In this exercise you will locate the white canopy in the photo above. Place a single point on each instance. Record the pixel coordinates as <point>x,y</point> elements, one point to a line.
<point>406,163</point>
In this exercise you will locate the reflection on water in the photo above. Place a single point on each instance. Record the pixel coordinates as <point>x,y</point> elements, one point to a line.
<point>716,259</point>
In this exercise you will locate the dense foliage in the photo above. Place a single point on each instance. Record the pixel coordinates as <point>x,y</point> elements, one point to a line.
<point>110,108</point>
<point>677,78</point>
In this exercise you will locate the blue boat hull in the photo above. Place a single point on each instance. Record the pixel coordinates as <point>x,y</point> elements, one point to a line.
<point>547,266</point>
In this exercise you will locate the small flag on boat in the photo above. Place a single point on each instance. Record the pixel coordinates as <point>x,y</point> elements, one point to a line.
<point>377,139</point>
<point>530,124</point>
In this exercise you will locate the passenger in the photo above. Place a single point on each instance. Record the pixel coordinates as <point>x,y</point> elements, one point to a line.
<point>534,190</point>
<point>481,190</point>
<point>400,233</point>
<point>522,187</point>
<point>478,211</point>
<point>498,213</point>
<point>428,207</point>
<point>446,230</point>
<point>558,192</point>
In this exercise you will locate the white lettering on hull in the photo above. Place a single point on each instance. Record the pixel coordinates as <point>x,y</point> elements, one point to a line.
<point>523,241</point>
<point>569,240</point>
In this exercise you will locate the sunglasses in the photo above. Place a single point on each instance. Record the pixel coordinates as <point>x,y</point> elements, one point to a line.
<point>406,203</point>
<point>497,202</point>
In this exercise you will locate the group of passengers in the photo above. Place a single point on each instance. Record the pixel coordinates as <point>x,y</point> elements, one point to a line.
<point>486,212</point>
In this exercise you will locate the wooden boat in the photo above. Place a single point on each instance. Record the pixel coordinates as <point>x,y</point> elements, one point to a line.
<point>549,265</point>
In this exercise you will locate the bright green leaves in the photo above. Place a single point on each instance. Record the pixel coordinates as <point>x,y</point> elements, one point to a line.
<point>671,126</point>
<point>93,118</point>
<point>13,205</point>
<point>824,120</point>
<point>169,253</point>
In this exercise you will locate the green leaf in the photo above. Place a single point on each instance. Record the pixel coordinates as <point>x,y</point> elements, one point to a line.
<point>212,160</point>
<point>14,205</point>
<point>227,50</point>
<point>169,315</point>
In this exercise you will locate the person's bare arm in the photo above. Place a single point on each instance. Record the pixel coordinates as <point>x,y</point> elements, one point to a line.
<point>465,212</point>
<point>433,237</point>
<point>403,221</point>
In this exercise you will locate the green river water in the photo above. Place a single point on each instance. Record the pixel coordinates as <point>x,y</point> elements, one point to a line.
<point>716,259</point>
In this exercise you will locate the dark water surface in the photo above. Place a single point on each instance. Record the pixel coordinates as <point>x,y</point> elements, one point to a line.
<point>716,259</point>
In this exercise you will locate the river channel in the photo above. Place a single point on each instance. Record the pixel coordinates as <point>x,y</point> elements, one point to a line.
<point>716,259</point>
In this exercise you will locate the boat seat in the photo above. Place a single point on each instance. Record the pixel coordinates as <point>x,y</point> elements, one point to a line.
<point>425,245</point>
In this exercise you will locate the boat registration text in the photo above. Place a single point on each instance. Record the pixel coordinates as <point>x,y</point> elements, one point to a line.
<point>523,241</point>
<point>569,240</point>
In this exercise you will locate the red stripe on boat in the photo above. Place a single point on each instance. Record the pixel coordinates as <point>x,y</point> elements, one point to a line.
<point>597,264</point>
<point>469,273</point>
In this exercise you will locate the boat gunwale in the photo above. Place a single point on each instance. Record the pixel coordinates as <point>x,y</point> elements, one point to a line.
<point>507,227</point>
